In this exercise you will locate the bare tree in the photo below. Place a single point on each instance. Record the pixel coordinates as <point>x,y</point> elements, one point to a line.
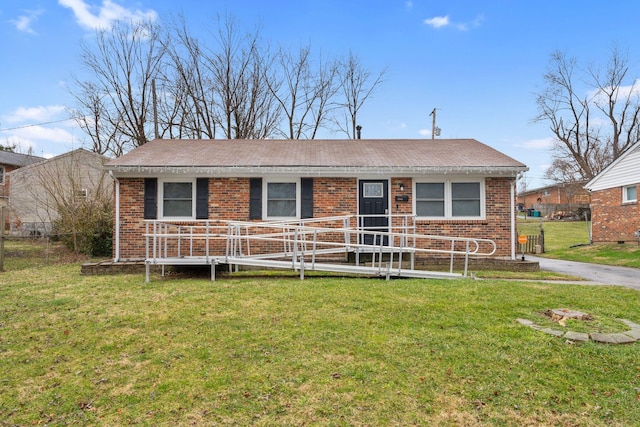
<point>240,69</point>
<point>115,106</point>
<point>593,115</point>
<point>146,81</point>
<point>305,94</point>
<point>190,88</point>
<point>357,84</point>
<point>104,137</point>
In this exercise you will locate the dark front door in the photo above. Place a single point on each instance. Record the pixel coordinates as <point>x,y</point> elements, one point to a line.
<point>374,209</point>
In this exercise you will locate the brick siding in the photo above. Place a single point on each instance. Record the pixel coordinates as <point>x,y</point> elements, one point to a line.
<point>613,221</point>
<point>229,200</point>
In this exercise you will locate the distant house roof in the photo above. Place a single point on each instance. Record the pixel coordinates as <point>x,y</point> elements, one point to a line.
<point>551,187</point>
<point>77,154</point>
<point>314,157</point>
<point>625,170</point>
<point>17,159</point>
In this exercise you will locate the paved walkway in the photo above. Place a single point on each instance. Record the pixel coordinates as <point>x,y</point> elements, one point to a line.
<point>594,274</point>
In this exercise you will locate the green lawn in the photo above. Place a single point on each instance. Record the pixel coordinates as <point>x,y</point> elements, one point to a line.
<point>569,240</point>
<point>111,350</point>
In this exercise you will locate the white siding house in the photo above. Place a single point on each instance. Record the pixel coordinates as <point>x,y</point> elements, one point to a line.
<point>39,189</point>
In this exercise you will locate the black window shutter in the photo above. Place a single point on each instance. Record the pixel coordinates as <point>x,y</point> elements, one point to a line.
<point>306,207</point>
<point>255,198</point>
<point>202,198</point>
<point>150,198</point>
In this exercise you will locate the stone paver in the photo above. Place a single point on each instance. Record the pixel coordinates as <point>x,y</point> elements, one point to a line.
<point>630,324</point>
<point>553,332</point>
<point>622,338</point>
<point>626,337</point>
<point>633,333</point>
<point>576,336</point>
<point>603,338</point>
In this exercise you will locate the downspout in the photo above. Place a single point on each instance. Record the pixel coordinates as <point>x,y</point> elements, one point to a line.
<point>513,216</point>
<point>116,246</point>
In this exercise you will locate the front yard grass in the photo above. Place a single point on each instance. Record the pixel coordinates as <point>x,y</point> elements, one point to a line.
<point>569,240</point>
<point>112,350</point>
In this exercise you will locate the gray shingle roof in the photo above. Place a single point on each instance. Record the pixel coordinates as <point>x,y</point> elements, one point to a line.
<point>353,155</point>
<point>17,159</point>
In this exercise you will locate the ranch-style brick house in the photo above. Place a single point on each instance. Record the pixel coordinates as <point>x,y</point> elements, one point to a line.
<point>614,199</point>
<point>450,187</point>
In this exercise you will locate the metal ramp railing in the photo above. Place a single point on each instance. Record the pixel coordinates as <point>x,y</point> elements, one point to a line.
<point>318,244</point>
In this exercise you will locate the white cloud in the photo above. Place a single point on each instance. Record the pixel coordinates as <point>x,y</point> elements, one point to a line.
<point>104,16</point>
<point>24,22</point>
<point>41,133</point>
<point>437,21</point>
<point>35,114</point>
<point>537,144</point>
<point>445,21</point>
<point>425,132</point>
<point>38,139</point>
<point>408,5</point>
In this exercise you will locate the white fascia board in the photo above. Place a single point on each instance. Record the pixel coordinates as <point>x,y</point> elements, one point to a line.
<point>596,185</point>
<point>249,171</point>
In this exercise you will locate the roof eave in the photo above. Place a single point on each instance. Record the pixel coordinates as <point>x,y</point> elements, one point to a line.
<point>325,171</point>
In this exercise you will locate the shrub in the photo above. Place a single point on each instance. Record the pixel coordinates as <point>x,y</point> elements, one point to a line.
<point>86,228</point>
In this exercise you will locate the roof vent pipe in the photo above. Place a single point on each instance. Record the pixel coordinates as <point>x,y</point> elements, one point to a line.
<point>358,130</point>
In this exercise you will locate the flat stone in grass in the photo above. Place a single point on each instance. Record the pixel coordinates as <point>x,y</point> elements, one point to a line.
<point>630,324</point>
<point>633,333</point>
<point>576,336</point>
<point>603,338</point>
<point>622,338</point>
<point>553,332</point>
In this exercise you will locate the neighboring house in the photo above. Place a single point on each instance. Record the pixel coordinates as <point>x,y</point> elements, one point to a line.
<point>453,187</point>
<point>557,200</point>
<point>614,199</point>
<point>39,189</point>
<point>10,161</point>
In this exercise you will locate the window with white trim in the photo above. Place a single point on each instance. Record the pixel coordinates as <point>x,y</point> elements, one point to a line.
<point>450,199</point>
<point>465,199</point>
<point>430,199</point>
<point>80,194</point>
<point>281,199</point>
<point>177,199</point>
<point>629,194</point>
<point>1,175</point>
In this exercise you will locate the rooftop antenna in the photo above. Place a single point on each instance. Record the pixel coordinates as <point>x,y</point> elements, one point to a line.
<point>435,131</point>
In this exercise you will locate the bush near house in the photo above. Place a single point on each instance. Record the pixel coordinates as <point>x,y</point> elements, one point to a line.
<point>87,229</point>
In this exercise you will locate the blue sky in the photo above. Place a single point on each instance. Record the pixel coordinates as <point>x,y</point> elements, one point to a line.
<point>478,62</point>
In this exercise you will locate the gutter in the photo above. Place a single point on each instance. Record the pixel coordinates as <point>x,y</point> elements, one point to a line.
<point>117,219</point>
<point>513,215</point>
<point>324,171</point>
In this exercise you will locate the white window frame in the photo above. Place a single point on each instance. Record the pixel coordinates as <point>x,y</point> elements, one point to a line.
<point>265,195</point>
<point>448,201</point>
<point>161,183</point>
<point>2,175</point>
<point>625,194</point>
<point>81,194</point>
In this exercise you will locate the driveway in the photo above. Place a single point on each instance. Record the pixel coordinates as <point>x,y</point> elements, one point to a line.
<point>595,274</point>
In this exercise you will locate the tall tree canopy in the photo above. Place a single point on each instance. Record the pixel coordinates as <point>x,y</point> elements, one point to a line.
<point>147,80</point>
<point>593,113</point>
